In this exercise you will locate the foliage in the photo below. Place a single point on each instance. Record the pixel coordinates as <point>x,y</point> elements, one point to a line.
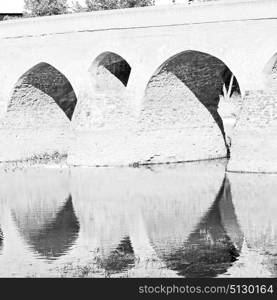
<point>136,3</point>
<point>77,7</point>
<point>101,5</point>
<point>45,7</point>
<point>93,5</point>
<point>9,17</point>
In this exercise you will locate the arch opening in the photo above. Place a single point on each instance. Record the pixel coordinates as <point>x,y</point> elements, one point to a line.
<point>110,71</point>
<point>44,81</point>
<point>108,105</point>
<point>37,120</point>
<point>193,91</point>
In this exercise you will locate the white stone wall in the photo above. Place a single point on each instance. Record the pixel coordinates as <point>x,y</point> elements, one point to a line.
<point>146,38</point>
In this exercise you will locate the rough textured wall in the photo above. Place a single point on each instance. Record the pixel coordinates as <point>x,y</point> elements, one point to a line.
<point>241,36</point>
<point>104,116</point>
<point>105,107</point>
<point>254,140</point>
<point>254,144</point>
<point>178,119</point>
<point>179,116</point>
<point>188,74</point>
<point>116,66</point>
<point>37,121</point>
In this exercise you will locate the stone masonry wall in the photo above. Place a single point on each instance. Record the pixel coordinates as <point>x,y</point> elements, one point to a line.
<point>103,117</point>
<point>254,144</point>
<point>179,115</point>
<point>37,121</point>
<point>105,106</point>
<point>254,147</point>
<point>189,77</point>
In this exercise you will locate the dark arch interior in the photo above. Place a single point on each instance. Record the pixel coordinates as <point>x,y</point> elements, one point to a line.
<point>49,81</point>
<point>205,76</point>
<point>57,235</point>
<point>226,77</point>
<point>116,65</point>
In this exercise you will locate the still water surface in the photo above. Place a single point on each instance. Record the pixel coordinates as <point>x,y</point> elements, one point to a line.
<point>184,220</point>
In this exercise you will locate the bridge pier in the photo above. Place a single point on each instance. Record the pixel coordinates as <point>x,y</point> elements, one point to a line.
<point>102,123</point>
<point>254,144</point>
<point>156,118</point>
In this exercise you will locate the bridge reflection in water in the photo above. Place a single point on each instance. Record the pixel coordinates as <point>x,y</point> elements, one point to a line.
<point>50,236</point>
<point>187,220</point>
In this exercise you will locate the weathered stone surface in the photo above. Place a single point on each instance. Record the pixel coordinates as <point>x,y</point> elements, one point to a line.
<point>254,198</point>
<point>37,122</point>
<point>254,144</point>
<point>178,118</point>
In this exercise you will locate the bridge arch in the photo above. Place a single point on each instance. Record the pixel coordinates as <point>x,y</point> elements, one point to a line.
<point>184,95</point>
<point>270,73</point>
<point>110,71</point>
<point>106,104</point>
<point>257,121</point>
<point>46,80</point>
<point>42,103</point>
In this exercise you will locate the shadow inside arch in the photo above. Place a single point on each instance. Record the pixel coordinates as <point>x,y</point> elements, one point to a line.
<point>47,79</point>
<point>110,70</point>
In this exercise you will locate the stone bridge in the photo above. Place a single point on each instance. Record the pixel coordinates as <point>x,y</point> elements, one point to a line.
<point>148,85</point>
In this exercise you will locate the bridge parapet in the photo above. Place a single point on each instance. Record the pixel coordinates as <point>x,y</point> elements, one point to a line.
<point>173,15</point>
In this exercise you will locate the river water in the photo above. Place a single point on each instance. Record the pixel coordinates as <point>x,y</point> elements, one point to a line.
<point>182,220</point>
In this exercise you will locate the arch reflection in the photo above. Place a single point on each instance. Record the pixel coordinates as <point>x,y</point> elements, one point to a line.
<point>121,259</point>
<point>50,234</point>
<point>115,201</point>
<point>212,246</point>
